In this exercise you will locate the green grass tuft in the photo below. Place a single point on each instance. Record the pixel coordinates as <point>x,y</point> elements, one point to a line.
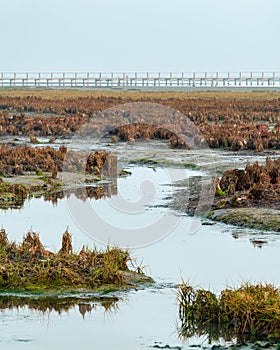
<point>247,313</point>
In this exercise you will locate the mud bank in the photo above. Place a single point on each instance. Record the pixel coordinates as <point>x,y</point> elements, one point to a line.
<point>257,218</point>
<point>246,197</point>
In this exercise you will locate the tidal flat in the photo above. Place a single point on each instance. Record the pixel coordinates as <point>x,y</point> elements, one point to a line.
<point>144,209</point>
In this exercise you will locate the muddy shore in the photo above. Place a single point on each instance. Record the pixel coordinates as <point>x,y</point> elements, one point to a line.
<point>246,197</point>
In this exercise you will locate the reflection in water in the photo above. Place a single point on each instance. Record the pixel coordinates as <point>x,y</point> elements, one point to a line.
<point>58,304</point>
<point>257,239</point>
<point>104,190</point>
<point>259,243</point>
<point>209,331</point>
<point>206,331</point>
<point>220,333</point>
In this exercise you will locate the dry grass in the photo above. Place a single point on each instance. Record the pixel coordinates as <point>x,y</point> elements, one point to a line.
<point>64,94</point>
<point>250,312</point>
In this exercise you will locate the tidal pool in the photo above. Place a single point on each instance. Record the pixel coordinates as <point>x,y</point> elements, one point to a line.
<point>210,256</point>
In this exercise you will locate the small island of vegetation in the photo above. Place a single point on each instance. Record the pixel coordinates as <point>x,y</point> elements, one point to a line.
<point>30,267</point>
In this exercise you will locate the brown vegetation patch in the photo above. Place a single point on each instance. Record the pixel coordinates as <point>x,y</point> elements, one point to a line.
<point>131,132</point>
<point>20,159</point>
<point>21,124</point>
<point>255,185</point>
<point>233,123</point>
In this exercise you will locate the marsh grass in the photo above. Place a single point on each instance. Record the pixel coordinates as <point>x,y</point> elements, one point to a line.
<point>249,312</point>
<point>30,267</point>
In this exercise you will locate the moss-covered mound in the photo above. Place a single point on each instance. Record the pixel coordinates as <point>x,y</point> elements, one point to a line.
<point>30,267</point>
<point>250,312</point>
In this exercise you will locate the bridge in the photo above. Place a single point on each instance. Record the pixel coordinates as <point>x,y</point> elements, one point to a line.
<point>149,80</point>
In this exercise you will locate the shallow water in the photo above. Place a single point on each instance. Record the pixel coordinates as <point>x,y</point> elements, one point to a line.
<point>169,246</point>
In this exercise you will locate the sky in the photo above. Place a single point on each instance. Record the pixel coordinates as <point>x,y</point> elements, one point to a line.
<point>139,35</point>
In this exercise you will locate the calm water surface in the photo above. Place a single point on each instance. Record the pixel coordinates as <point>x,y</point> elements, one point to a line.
<point>212,257</point>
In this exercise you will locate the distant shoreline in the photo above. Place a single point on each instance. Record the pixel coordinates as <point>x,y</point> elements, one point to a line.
<point>148,89</point>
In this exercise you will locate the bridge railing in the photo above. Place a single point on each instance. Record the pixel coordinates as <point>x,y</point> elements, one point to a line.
<point>139,79</point>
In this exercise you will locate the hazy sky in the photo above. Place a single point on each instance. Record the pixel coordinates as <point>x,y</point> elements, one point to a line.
<point>146,35</point>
